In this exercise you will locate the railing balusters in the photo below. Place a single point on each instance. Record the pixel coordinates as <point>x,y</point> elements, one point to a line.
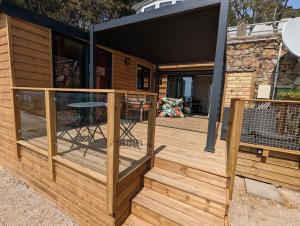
<point>234,135</point>
<point>113,149</point>
<point>51,129</point>
<point>151,128</point>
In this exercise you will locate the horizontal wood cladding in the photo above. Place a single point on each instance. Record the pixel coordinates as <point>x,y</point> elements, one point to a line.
<point>277,168</point>
<point>31,53</point>
<point>124,75</point>
<point>127,188</point>
<point>7,135</point>
<point>163,83</point>
<point>238,85</point>
<point>79,195</point>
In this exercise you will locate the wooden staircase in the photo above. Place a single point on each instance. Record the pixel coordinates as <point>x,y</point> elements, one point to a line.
<point>175,193</point>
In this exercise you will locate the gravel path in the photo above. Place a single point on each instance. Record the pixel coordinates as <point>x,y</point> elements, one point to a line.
<point>20,205</point>
<point>251,210</point>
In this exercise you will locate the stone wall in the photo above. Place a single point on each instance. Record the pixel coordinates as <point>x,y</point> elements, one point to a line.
<point>259,54</point>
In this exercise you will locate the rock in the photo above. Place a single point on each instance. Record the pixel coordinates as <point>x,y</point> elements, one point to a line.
<point>264,190</point>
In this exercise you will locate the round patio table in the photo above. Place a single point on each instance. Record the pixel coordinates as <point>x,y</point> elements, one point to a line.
<point>87,119</point>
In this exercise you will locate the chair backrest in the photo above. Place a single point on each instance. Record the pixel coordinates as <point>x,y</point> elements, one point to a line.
<point>134,105</point>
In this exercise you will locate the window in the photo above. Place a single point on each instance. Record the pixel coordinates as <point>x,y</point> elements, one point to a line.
<point>70,62</point>
<point>143,78</point>
<point>149,8</point>
<point>163,4</point>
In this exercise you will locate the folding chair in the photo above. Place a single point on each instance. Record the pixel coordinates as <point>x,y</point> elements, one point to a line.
<point>129,121</point>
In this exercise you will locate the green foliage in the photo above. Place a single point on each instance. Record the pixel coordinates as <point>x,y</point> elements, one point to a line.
<point>80,13</point>
<point>288,94</point>
<point>256,11</point>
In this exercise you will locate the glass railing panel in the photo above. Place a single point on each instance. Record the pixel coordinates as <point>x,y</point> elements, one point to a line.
<point>81,124</point>
<point>133,131</point>
<point>31,109</point>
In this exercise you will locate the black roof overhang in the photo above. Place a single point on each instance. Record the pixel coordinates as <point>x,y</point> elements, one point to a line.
<point>26,15</point>
<point>182,33</point>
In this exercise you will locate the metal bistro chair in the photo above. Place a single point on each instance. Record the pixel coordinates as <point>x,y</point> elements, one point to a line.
<point>70,121</point>
<point>129,121</point>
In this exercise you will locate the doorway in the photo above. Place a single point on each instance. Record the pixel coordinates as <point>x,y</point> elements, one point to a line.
<point>103,78</point>
<point>193,89</point>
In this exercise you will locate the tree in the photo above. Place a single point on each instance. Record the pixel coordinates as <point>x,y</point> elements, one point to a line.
<point>256,11</point>
<point>80,13</point>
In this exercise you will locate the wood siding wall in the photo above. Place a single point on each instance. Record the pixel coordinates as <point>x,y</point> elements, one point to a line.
<point>277,168</point>
<point>163,86</point>
<point>7,135</point>
<point>25,60</point>
<point>124,76</point>
<point>31,52</point>
<point>238,85</point>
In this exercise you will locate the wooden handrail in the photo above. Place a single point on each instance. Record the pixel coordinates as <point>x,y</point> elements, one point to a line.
<point>86,90</point>
<point>233,140</point>
<point>273,101</point>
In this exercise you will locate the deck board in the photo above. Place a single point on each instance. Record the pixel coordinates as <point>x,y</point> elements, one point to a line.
<point>179,145</point>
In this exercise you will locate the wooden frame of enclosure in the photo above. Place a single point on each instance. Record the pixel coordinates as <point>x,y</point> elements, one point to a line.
<point>277,166</point>
<point>49,169</point>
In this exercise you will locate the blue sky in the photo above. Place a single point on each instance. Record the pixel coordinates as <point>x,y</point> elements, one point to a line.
<point>294,3</point>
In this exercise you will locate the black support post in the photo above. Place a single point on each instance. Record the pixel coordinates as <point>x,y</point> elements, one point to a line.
<point>219,70</point>
<point>92,64</point>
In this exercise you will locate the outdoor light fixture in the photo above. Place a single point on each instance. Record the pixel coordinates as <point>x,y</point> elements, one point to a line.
<point>259,151</point>
<point>127,60</point>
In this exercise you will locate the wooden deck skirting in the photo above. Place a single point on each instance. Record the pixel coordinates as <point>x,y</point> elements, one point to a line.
<point>54,175</point>
<point>278,166</point>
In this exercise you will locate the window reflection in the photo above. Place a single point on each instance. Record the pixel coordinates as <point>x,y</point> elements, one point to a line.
<point>70,64</point>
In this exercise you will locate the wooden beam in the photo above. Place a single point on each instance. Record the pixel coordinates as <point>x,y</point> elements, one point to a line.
<point>274,149</point>
<point>235,128</point>
<point>51,129</point>
<point>197,66</point>
<point>151,128</point>
<point>113,152</point>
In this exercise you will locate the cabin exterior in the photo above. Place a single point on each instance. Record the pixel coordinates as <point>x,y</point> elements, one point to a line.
<point>69,103</point>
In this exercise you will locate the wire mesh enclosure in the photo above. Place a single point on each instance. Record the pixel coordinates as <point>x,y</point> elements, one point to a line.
<point>272,123</point>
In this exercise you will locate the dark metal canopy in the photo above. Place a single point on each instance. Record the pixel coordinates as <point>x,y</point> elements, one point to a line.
<point>187,32</point>
<point>182,33</point>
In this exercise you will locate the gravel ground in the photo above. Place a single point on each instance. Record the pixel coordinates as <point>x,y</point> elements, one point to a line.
<point>20,205</point>
<point>251,210</point>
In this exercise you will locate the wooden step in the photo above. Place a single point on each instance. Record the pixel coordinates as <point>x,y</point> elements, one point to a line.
<point>201,189</point>
<point>158,209</point>
<point>203,161</point>
<point>133,220</point>
<point>191,172</point>
<point>189,199</point>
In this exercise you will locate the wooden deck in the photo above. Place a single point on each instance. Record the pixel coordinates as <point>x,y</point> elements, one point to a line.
<point>185,186</point>
<point>192,123</point>
<point>176,144</point>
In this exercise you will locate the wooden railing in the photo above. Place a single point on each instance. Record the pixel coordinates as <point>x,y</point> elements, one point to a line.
<point>113,133</point>
<point>233,139</point>
<point>269,125</point>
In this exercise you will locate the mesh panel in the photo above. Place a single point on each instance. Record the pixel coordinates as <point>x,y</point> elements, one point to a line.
<point>274,124</point>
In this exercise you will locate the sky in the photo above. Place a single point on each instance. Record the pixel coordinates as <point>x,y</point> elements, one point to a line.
<point>294,3</point>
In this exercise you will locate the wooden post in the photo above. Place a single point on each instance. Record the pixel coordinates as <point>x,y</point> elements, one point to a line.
<point>151,128</point>
<point>17,118</point>
<point>51,129</point>
<point>113,144</point>
<point>234,136</point>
